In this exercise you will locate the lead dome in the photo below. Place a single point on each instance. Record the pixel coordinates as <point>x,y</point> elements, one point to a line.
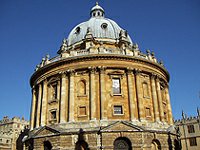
<point>101,28</point>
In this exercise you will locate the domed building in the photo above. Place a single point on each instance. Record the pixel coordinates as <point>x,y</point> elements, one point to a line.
<point>100,92</point>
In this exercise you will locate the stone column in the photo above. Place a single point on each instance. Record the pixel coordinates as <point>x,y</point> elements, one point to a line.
<point>93,110</point>
<point>33,107</point>
<point>169,109</point>
<point>103,110</point>
<point>44,103</point>
<point>139,96</point>
<point>130,93</point>
<point>39,105</point>
<point>160,100</point>
<point>154,98</point>
<point>63,106</point>
<point>71,95</point>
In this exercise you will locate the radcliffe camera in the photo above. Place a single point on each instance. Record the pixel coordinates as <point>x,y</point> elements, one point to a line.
<point>101,91</point>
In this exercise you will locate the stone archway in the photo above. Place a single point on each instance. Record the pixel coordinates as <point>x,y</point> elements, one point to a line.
<point>81,145</point>
<point>122,143</point>
<point>47,145</point>
<point>155,145</point>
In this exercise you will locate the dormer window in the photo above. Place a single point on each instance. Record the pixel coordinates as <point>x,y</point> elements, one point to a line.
<point>104,25</point>
<point>78,29</point>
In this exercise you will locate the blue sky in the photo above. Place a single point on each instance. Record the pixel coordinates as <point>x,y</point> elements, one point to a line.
<point>31,29</point>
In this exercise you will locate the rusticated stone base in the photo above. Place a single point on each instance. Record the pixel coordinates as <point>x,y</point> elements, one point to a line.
<point>120,134</point>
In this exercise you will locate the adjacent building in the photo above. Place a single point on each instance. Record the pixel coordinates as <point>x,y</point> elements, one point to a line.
<point>100,92</point>
<point>189,129</point>
<point>10,129</point>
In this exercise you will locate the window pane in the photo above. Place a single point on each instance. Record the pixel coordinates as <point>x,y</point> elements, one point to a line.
<point>190,128</point>
<point>118,110</point>
<point>53,115</point>
<point>116,86</point>
<point>82,111</point>
<point>193,141</point>
<point>148,112</point>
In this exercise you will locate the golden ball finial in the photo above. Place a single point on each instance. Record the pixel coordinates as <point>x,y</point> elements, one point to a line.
<point>97,3</point>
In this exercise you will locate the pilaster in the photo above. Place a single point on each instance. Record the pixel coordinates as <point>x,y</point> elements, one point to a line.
<point>130,93</point>
<point>102,92</point>
<point>71,95</point>
<point>33,108</point>
<point>139,95</point>
<point>63,101</point>
<point>170,117</point>
<point>154,98</point>
<point>39,105</point>
<point>160,103</point>
<point>44,104</point>
<point>92,94</point>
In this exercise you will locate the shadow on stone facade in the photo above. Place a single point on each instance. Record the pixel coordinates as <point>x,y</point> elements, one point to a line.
<point>19,141</point>
<point>81,144</point>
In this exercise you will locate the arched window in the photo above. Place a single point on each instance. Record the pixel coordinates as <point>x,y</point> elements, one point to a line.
<point>47,145</point>
<point>122,143</point>
<point>81,87</point>
<point>145,90</point>
<point>155,145</point>
<point>81,145</point>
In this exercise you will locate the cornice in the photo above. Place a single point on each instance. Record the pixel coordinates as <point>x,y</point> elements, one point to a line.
<point>75,59</point>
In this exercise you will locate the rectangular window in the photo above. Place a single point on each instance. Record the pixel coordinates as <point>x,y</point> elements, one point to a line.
<point>53,115</point>
<point>82,111</point>
<point>148,112</point>
<point>193,141</point>
<point>191,129</point>
<point>118,110</point>
<point>116,86</point>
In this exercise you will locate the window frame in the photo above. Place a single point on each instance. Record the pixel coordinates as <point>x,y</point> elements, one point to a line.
<point>56,113</point>
<point>149,109</point>
<point>118,114</point>
<point>119,88</point>
<point>82,106</point>
<point>190,128</point>
<point>193,141</point>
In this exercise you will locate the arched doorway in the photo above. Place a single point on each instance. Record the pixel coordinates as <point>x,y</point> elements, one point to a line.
<point>122,143</point>
<point>155,145</point>
<point>81,145</point>
<point>47,145</point>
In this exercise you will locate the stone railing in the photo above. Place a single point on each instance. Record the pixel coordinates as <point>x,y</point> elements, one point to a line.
<point>135,53</point>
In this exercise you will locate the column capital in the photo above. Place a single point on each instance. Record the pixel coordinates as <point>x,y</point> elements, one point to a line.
<point>158,77</point>
<point>102,69</point>
<point>33,90</point>
<point>92,69</point>
<point>62,74</point>
<point>137,71</point>
<point>71,72</point>
<point>153,75</point>
<point>129,70</point>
